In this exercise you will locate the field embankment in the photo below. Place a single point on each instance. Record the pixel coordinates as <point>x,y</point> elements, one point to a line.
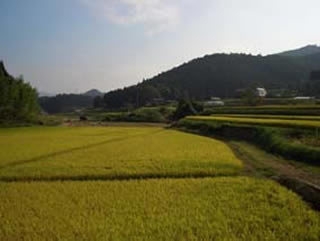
<point>301,178</point>
<point>262,132</point>
<point>300,173</point>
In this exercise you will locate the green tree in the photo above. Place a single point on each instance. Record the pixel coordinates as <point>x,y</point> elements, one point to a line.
<point>18,100</point>
<point>186,108</point>
<point>98,102</point>
<point>249,97</point>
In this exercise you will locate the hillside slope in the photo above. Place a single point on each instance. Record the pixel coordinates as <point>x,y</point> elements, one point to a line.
<point>220,75</point>
<point>304,51</point>
<point>93,93</point>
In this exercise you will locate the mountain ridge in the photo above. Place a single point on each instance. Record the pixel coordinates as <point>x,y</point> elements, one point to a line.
<point>219,75</point>
<point>93,93</point>
<point>303,51</point>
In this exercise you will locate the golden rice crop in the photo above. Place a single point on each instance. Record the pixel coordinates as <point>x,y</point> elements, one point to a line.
<point>288,107</point>
<point>226,208</point>
<point>280,117</point>
<point>110,152</point>
<point>268,109</point>
<point>308,124</point>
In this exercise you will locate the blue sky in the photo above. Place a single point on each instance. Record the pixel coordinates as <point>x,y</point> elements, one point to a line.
<point>75,45</point>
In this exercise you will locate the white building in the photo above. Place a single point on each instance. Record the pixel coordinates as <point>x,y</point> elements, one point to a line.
<point>303,98</point>
<point>261,92</point>
<point>214,101</point>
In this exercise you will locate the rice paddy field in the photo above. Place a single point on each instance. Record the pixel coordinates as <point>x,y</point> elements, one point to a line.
<point>67,183</point>
<point>225,208</point>
<point>278,122</point>
<point>299,109</point>
<point>280,117</point>
<point>275,107</point>
<point>110,153</point>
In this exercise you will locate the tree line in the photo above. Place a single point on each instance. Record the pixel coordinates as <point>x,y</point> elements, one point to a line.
<point>313,85</point>
<point>18,99</point>
<point>63,103</point>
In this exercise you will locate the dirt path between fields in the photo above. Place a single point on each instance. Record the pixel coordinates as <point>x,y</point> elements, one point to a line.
<point>305,182</point>
<point>270,165</point>
<point>301,178</point>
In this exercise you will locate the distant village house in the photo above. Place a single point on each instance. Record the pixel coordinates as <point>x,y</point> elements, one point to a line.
<point>261,92</point>
<point>304,98</point>
<point>214,101</point>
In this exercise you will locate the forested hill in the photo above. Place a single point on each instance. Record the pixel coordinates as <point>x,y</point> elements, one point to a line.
<point>70,102</point>
<point>220,75</point>
<point>18,100</point>
<point>304,51</point>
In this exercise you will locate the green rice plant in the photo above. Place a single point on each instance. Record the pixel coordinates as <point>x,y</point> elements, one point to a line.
<point>225,208</point>
<point>62,153</point>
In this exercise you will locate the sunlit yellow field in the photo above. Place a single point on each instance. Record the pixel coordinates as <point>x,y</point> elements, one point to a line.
<point>275,117</point>
<point>66,183</point>
<point>110,152</point>
<point>222,208</point>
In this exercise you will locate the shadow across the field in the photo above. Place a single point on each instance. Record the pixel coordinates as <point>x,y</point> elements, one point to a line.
<point>120,177</point>
<point>80,148</point>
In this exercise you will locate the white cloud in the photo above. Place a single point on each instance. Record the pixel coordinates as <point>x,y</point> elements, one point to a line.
<point>156,15</point>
